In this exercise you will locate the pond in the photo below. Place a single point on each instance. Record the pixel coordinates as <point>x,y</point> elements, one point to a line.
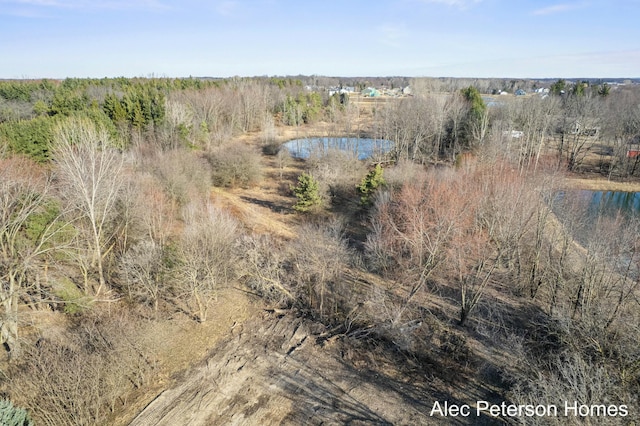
<point>362,147</point>
<point>583,209</point>
<point>607,203</point>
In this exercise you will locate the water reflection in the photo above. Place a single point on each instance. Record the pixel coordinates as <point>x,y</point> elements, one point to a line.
<point>362,147</point>
<point>583,211</point>
<point>601,203</point>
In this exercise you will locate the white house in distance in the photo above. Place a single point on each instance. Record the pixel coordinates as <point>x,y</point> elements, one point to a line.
<point>341,90</point>
<point>515,134</point>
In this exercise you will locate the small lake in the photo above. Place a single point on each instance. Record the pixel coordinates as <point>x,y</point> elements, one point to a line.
<point>585,209</point>
<point>362,147</point>
<point>607,203</point>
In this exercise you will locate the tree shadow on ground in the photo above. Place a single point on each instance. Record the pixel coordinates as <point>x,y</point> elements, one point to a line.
<point>274,207</point>
<point>321,398</point>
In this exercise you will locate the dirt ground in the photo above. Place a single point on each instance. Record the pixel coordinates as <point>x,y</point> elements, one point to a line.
<point>274,370</point>
<point>271,371</point>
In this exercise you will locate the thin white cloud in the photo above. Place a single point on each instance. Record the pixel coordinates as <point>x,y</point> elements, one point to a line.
<point>33,2</point>
<point>392,34</point>
<point>227,7</point>
<point>557,8</point>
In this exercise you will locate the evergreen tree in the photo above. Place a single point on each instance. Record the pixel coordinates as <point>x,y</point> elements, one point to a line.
<point>475,119</point>
<point>477,105</point>
<point>40,108</point>
<point>579,89</point>
<point>604,90</point>
<point>66,101</point>
<point>372,181</point>
<point>13,416</point>
<point>312,107</point>
<point>114,109</point>
<point>29,137</point>
<point>307,192</point>
<point>558,87</point>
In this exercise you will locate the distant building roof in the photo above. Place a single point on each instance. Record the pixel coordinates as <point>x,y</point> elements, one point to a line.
<point>370,91</point>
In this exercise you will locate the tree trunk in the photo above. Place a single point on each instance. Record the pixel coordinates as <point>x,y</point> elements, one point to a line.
<point>9,325</point>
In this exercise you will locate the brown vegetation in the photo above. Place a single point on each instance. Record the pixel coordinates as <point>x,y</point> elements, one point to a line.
<point>128,257</point>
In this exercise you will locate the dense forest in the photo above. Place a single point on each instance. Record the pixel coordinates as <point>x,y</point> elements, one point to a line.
<point>109,228</point>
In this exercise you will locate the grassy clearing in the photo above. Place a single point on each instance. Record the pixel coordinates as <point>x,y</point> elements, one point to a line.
<point>600,184</point>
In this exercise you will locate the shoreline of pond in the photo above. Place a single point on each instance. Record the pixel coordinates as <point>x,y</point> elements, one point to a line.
<point>599,184</point>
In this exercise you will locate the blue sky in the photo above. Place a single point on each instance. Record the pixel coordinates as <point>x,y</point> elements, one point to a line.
<point>222,38</point>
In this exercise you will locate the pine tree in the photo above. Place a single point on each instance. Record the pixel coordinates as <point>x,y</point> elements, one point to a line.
<point>13,416</point>
<point>307,192</point>
<point>372,181</point>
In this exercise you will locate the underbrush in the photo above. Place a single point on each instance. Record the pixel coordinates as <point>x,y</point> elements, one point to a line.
<point>235,165</point>
<point>85,374</point>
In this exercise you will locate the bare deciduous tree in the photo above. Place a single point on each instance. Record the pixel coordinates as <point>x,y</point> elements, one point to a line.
<point>235,164</point>
<point>414,229</point>
<point>154,209</point>
<point>89,168</point>
<point>84,377</point>
<point>533,117</point>
<point>23,193</point>
<point>207,258</point>
<point>621,129</point>
<point>263,269</point>
<point>580,129</point>
<point>142,270</point>
<point>320,256</point>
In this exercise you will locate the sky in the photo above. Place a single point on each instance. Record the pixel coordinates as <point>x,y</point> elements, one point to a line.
<point>345,38</point>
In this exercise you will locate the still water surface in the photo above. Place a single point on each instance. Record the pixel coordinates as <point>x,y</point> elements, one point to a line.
<point>607,203</point>
<point>362,147</point>
<point>583,210</point>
